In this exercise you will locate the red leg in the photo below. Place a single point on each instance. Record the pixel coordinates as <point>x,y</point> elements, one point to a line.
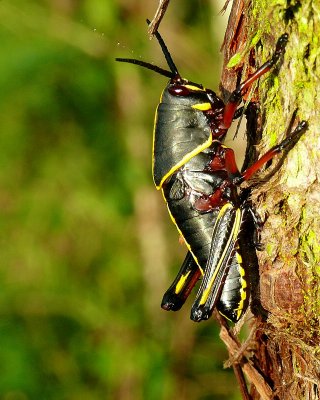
<point>230,163</point>
<point>236,95</point>
<point>294,136</point>
<point>224,159</point>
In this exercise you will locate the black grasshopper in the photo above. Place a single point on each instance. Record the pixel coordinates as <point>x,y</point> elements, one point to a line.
<point>200,182</point>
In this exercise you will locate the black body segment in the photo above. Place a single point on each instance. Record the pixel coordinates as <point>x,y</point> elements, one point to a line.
<point>180,132</point>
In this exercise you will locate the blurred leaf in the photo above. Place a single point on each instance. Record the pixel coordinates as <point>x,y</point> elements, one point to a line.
<point>77,318</point>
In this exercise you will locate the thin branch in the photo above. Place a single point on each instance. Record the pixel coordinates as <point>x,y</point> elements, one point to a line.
<point>252,374</point>
<point>154,25</point>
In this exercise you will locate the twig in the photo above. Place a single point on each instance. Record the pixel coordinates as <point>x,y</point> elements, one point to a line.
<point>252,374</point>
<point>154,25</point>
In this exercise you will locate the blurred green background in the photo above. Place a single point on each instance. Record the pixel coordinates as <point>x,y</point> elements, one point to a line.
<point>87,247</point>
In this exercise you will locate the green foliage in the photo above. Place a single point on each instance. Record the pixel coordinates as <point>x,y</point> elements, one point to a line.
<point>76,320</point>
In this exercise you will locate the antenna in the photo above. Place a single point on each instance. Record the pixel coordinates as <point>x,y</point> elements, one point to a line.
<point>173,73</point>
<point>166,52</point>
<point>144,64</point>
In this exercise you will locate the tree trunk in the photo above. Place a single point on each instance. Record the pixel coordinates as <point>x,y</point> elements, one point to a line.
<point>285,346</point>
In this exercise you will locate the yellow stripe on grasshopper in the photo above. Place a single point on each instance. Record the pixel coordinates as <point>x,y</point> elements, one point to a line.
<point>195,88</point>
<point>181,283</point>
<point>243,293</point>
<point>202,106</point>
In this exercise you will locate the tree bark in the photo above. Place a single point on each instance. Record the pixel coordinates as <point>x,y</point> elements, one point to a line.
<point>285,347</point>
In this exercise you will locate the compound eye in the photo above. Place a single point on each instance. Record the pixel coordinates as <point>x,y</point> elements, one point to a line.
<point>179,90</point>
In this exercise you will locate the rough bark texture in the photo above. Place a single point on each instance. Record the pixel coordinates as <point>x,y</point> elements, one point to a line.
<point>285,347</point>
